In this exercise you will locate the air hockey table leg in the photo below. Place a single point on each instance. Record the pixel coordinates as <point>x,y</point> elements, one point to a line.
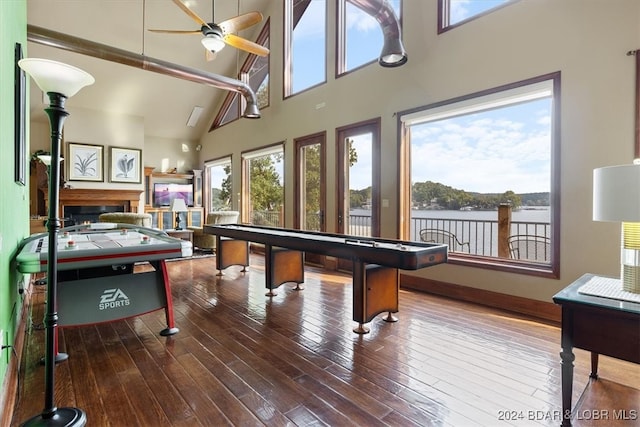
<point>161,270</point>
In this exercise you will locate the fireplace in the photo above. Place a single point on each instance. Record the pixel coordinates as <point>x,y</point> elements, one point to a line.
<point>74,215</point>
<point>81,202</point>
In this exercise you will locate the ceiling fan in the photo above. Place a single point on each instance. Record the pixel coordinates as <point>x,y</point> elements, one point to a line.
<point>216,36</point>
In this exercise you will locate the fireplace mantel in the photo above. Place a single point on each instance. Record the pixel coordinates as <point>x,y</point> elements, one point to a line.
<point>128,199</point>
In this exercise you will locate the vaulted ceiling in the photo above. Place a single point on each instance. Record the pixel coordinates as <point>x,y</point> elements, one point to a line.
<point>164,102</point>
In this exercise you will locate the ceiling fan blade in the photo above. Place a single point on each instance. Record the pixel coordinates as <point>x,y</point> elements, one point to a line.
<point>191,13</point>
<point>240,22</point>
<point>244,44</point>
<point>177,31</point>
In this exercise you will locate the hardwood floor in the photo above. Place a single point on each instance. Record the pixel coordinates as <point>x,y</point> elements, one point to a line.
<point>244,359</point>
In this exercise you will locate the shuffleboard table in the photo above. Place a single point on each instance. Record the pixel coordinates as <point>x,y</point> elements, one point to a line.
<point>376,261</point>
<point>96,281</point>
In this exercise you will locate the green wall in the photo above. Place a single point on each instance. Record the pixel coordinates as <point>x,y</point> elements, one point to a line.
<point>14,198</point>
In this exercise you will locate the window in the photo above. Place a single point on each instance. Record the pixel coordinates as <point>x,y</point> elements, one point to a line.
<point>310,183</point>
<point>263,186</point>
<point>254,72</point>
<point>480,172</point>
<point>358,158</point>
<point>360,37</point>
<point>218,191</point>
<point>452,13</point>
<point>305,38</point>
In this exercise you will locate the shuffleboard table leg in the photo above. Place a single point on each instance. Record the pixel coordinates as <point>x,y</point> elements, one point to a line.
<point>281,266</point>
<point>361,329</point>
<point>375,290</point>
<point>231,252</point>
<point>390,318</point>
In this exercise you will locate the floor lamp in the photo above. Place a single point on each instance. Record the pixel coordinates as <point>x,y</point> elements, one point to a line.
<point>59,81</point>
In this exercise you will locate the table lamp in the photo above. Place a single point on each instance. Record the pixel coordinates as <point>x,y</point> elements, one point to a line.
<point>59,81</point>
<point>178,205</point>
<point>616,197</point>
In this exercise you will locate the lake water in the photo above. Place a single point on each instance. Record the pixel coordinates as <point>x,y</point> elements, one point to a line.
<point>541,214</point>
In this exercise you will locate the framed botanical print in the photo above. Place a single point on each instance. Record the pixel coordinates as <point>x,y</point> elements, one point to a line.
<point>126,165</point>
<point>84,162</point>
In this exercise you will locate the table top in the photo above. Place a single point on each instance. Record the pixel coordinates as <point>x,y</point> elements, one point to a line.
<point>96,245</point>
<point>406,255</point>
<point>571,295</point>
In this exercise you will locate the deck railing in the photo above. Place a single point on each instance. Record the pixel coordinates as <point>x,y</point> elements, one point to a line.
<point>483,236</point>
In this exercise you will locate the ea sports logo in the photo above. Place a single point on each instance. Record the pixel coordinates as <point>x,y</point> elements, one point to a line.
<point>113,298</point>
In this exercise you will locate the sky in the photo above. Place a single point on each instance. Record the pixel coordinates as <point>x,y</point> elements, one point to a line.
<point>487,152</point>
<point>463,9</point>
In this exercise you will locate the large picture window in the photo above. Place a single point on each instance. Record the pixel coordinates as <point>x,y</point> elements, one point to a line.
<point>263,186</point>
<point>482,178</point>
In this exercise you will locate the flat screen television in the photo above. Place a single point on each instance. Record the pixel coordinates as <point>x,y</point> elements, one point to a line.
<point>164,193</point>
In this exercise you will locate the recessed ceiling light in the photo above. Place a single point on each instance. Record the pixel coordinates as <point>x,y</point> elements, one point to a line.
<point>194,116</point>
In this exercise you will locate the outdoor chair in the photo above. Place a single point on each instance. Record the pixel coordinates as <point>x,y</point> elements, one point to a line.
<point>530,247</point>
<point>432,235</point>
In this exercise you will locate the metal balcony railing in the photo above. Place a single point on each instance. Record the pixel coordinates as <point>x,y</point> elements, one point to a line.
<point>478,237</point>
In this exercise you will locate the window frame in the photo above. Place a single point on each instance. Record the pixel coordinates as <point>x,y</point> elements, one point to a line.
<point>293,11</point>
<point>444,15</point>
<point>245,193</point>
<point>550,270</point>
<point>320,139</point>
<point>218,161</point>
<point>234,98</point>
<point>341,40</point>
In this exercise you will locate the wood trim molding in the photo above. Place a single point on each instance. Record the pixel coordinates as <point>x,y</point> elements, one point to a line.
<point>130,199</point>
<point>546,311</point>
<point>9,391</point>
<point>637,130</point>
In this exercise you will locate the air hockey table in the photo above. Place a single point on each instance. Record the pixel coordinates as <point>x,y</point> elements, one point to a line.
<point>96,278</point>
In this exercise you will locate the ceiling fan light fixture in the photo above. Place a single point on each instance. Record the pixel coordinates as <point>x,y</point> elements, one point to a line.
<point>213,43</point>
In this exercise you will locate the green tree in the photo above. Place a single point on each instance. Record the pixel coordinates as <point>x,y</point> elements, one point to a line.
<point>266,190</point>
<point>312,186</point>
<point>223,197</point>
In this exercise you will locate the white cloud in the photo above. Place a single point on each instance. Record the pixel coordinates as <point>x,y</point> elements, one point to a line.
<point>486,156</point>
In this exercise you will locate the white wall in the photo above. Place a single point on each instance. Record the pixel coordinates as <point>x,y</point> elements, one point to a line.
<point>586,40</point>
<point>116,130</point>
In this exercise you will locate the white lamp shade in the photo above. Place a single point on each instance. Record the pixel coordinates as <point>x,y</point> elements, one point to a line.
<point>53,76</point>
<point>616,193</point>
<point>46,159</point>
<point>213,43</point>
<point>178,205</point>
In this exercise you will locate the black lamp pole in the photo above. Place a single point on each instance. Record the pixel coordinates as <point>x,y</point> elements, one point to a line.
<point>51,415</point>
<point>60,81</point>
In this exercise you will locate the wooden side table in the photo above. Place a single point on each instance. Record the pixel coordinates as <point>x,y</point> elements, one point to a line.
<point>597,324</point>
<point>183,234</point>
